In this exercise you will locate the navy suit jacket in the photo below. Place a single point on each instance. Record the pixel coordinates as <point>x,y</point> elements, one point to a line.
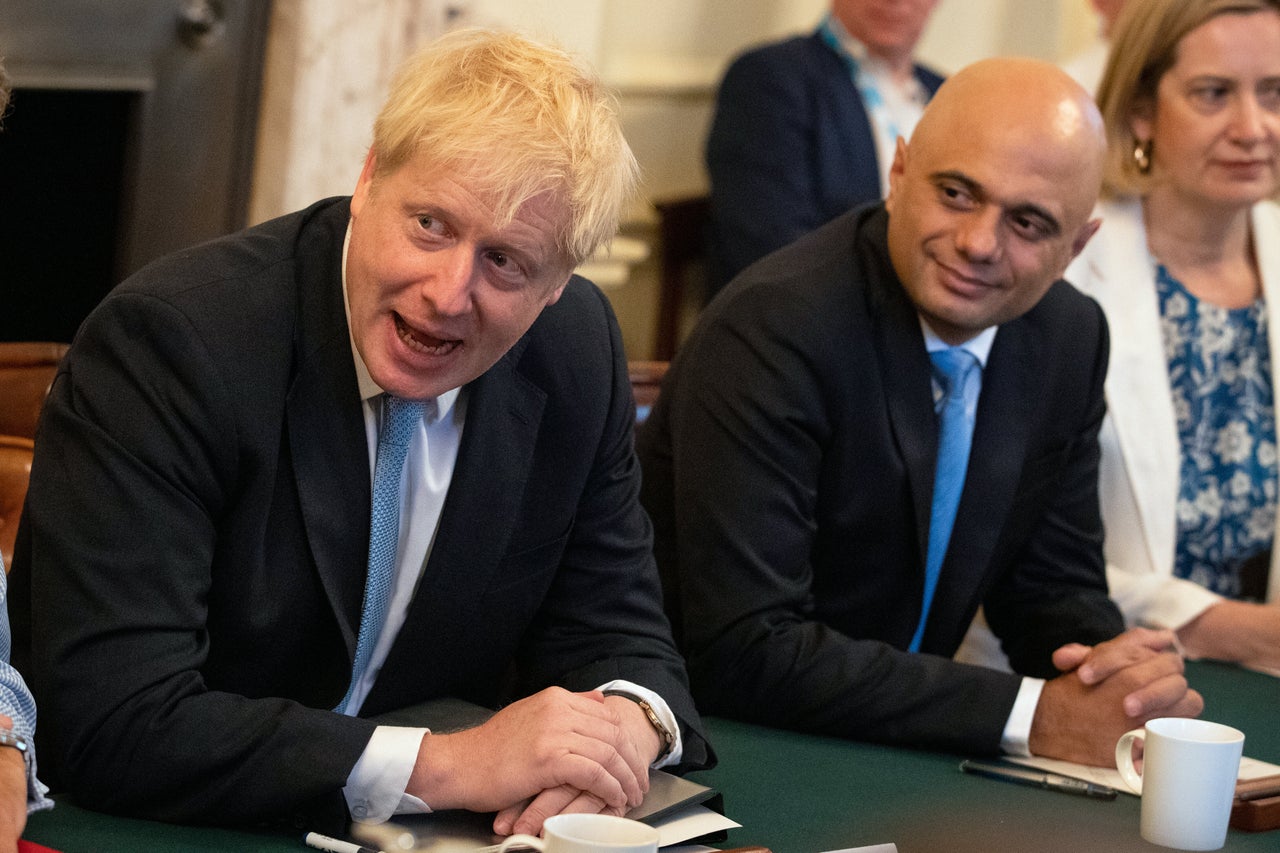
<point>789,469</point>
<point>791,147</point>
<point>194,547</point>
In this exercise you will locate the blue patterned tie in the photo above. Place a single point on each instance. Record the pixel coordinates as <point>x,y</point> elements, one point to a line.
<point>399,420</point>
<point>954,369</point>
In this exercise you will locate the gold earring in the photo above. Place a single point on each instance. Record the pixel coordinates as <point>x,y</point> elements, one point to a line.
<point>1142,156</point>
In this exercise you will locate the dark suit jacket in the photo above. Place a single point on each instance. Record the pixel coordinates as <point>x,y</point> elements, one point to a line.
<point>790,148</point>
<point>196,535</point>
<point>789,472</point>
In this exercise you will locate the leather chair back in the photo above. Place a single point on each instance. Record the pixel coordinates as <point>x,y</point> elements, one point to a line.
<point>26,372</point>
<point>682,227</point>
<point>15,473</point>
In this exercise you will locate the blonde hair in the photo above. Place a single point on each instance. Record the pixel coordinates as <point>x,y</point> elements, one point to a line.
<point>520,118</point>
<point>4,92</point>
<point>1144,46</point>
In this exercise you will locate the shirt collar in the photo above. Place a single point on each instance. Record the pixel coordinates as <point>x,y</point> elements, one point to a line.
<point>979,345</point>
<point>368,388</point>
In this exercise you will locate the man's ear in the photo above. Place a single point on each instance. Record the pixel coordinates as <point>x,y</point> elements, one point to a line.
<point>365,183</point>
<point>1084,235</point>
<point>555,294</point>
<point>896,170</point>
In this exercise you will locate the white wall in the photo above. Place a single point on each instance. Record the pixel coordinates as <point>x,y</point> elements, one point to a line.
<point>329,63</point>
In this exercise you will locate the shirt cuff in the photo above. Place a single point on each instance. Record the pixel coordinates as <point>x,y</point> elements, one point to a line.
<point>1017,729</point>
<point>660,707</point>
<point>375,787</point>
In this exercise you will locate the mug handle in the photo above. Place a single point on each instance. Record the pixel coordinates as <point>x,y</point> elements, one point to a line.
<point>1124,759</point>
<point>533,841</point>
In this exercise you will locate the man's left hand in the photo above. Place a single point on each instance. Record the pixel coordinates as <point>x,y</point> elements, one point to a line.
<point>639,739</point>
<point>1104,691</point>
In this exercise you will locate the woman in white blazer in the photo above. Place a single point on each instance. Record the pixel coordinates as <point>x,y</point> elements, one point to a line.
<point>1186,266</point>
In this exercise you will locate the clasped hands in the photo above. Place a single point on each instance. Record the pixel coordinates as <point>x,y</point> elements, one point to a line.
<point>1106,690</point>
<point>550,753</point>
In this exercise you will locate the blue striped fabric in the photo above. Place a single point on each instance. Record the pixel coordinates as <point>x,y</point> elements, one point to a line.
<point>16,702</point>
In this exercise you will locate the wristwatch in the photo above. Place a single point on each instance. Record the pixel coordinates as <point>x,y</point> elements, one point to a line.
<point>17,741</point>
<point>664,734</point>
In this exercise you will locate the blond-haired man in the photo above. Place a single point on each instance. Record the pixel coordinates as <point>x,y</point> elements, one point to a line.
<point>242,570</point>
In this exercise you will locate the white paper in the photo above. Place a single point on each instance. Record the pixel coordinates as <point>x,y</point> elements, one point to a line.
<point>1250,768</point>
<point>874,848</point>
<point>693,822</point>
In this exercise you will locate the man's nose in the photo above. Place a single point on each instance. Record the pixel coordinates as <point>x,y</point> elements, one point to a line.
<point>449,288</point>
<point>978,237</point>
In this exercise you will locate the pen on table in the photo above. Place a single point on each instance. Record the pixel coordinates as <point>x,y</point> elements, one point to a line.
<point>334,845</point>
<point>1039,779</point>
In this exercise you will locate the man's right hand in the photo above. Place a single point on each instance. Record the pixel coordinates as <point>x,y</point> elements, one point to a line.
<point>1106,690</point>
<point>551,739</point>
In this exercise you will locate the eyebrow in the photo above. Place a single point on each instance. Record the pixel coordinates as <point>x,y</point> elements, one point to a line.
<point>1051,222</point>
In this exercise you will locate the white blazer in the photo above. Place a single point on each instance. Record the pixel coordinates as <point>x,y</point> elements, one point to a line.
<point>1141,454</point>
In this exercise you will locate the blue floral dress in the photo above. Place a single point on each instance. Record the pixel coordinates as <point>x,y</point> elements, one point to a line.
<point>1220,375</point>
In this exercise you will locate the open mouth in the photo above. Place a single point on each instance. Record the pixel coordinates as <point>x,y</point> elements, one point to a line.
<point>419,341</point>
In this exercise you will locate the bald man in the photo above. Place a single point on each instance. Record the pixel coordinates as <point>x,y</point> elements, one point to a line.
<point>821,555</point>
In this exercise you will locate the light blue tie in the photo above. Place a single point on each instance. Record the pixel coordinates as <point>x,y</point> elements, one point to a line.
<point>399,420</point>
<point>955,370</point>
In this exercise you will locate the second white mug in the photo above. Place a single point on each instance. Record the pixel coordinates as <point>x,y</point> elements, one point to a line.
<point>1188,780</point>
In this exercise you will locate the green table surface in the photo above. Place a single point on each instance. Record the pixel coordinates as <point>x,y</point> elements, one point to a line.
<point>797,793</point>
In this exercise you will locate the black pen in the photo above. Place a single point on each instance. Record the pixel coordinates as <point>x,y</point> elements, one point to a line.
<point>1038,779</point>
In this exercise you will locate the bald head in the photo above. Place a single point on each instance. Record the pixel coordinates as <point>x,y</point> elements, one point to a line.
<point>1031,103</point>
<point>991,198</point>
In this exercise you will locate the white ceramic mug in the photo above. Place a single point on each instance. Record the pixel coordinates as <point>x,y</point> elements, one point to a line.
<point>588,833</point>
<point>1188,780</point>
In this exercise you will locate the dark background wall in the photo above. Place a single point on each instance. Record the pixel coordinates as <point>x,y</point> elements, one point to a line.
<point>130,134</point>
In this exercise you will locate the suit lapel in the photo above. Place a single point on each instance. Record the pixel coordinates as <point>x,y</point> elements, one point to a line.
<point>905,373</point>
<point>850,126</point>
<point>1139,400</point>
<point>325,427</point>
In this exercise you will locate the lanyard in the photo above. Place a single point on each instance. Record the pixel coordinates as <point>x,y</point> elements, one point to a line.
<point>872,99</point>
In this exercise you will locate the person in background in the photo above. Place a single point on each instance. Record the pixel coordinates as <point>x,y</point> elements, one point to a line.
<point>358,458</point>
<point>1086,66</point>
<point>1187,268</point>
<point>894,419</point>
<point>21,793</point>
<point>804,129</point>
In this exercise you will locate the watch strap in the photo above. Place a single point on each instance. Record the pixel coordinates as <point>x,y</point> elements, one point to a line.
<point>665,734</point>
